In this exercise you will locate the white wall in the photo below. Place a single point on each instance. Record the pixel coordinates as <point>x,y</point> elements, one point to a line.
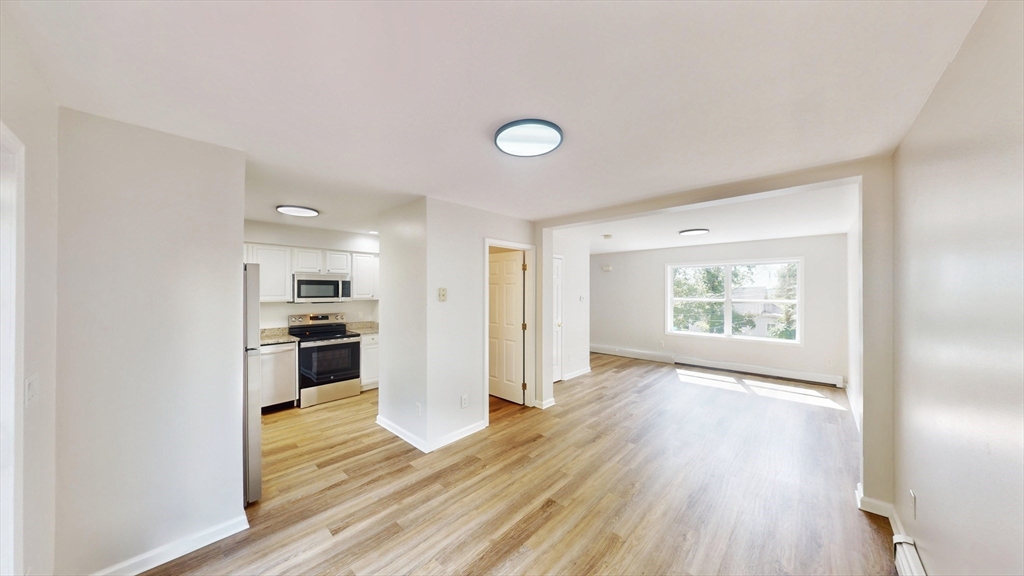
<point>149,425</point>
<point>575,255</point>
<point>456,328</point>
<point>403,319</point>
<point>628,308</point>
<point>959,178</point>
<point>30,112</point>
<point>303,236</point>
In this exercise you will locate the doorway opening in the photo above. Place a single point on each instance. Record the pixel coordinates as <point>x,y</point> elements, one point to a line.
<point>12,196</point>
<point>509,302</point>
<point>557,271</point>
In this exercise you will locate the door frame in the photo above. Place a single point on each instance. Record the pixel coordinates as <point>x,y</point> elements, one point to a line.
<point>530,338</point>
<point>561,335</point>
<point>12,355</point>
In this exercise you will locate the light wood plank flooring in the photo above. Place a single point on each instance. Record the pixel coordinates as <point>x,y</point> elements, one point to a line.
<point>640,468</point>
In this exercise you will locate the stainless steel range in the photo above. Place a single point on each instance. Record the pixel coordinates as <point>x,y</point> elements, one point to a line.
<point>328,358</point>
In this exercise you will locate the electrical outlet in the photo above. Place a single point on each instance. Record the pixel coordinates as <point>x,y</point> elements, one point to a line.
<point>419,409</point>
<point>662,343</point>
<point>465,400</point>
<point>829,362</point>
<point>31,388</point>
<point>913,505</point>
<point>442,294</point>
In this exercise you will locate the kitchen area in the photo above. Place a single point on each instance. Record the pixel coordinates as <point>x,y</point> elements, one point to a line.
<point>313,295</point>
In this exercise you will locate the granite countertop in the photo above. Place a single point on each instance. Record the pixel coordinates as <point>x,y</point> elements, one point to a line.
<point>362,327</point>
<point>270,336</point>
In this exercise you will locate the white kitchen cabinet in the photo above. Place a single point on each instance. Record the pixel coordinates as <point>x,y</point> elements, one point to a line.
<point>306,260</point>
<point>369,361</point>
<point>275,271</point>
<point>279,374</point>
<point>365,276</point>
<point>338,262</point>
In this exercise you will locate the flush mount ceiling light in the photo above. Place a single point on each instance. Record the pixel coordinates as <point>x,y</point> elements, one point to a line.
<point>530,137</point>
<point>374,232</point>
<point>693,232</point>
<point>298,211</point>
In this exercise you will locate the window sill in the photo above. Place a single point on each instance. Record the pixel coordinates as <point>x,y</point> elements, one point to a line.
<point>739,338</point>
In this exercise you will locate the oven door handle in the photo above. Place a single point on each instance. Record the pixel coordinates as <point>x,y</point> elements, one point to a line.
<point>316,343</point>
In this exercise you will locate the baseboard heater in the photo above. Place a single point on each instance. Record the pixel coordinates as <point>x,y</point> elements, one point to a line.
<point>908,562</point>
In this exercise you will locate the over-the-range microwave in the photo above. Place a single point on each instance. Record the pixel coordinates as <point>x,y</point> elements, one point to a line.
<point>312,288</point>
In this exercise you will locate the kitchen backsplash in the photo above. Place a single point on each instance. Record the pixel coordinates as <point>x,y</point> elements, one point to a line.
<point>275,314</point>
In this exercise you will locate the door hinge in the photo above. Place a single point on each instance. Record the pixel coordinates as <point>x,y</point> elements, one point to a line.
<point>524,326</point>
<point>524,386</point>
<point>524,267</point>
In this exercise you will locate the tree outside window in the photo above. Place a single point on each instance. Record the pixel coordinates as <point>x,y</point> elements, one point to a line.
<point>756,300</point>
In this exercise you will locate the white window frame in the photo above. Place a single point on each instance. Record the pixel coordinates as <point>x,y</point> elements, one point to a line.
<point>728,301</point>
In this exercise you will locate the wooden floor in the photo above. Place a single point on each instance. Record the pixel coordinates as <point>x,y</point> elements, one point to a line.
<point>640,468</point>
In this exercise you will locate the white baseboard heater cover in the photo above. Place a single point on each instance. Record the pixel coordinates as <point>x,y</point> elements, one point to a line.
<point>908,562</point>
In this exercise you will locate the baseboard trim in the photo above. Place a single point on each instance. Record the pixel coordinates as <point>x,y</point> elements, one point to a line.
<point>630,353</point>
<point>178,548</point>
<point>818,377</point>
<point>417,442</point>
<point>880,507</point>
<point>458,434</point>
<point>547,403</point>
<point>368,386</point>
<point>571,375</point>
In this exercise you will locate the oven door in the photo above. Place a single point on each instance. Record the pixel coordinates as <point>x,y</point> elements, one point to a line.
<point>323,362</point>
<point>319,288</point>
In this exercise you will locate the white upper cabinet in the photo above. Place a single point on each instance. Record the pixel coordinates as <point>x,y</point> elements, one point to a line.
<point>365,272</point>
<point>307,260</point>
<point>338,262</point>
<point>275,271</point>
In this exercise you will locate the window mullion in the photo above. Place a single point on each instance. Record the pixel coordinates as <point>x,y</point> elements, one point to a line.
<point>728,301</point>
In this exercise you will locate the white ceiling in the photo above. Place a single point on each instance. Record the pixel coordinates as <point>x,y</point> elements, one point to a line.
<point>781,214</point>
<point>351,107</point>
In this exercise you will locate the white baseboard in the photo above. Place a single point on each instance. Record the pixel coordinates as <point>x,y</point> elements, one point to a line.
<point>629,353</point>
<point>833,379</point>
<point>417,442</point>
<point>368,386</point>
<point>571,375</point>
<point>426,446</point>
<point>547,403</point>
<point>178,548</point>
<point>458,434</point>
<point>880,507</point>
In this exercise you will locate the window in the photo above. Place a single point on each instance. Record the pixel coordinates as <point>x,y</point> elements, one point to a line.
<point>756,300</point>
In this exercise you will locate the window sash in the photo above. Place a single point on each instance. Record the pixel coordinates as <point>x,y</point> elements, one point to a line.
<point>728,301</point>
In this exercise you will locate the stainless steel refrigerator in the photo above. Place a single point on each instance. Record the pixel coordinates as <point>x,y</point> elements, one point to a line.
<point>252,457</point>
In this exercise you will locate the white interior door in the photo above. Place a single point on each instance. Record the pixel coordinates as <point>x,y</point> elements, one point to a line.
<point>556,278</point>
<point>505,326</point>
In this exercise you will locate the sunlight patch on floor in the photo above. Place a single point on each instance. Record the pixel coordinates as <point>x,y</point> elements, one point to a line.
<point>763,389</point>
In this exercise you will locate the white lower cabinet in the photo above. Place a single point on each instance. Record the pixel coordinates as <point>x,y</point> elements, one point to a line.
<point>279,373</point>
<point>369,361</point>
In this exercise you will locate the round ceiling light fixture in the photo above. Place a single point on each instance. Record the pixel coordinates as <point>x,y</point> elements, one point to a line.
<point>298,211</point>
<point>693,231</point>
<point>529,137</point>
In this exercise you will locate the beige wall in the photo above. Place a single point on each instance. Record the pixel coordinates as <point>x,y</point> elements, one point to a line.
<point>30,112</point>
<point>959,407</point>
<point>630,301</point>
<point>149,425</point>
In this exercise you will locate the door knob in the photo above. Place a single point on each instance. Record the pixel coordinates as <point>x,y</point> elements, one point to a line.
<point>559,324</point>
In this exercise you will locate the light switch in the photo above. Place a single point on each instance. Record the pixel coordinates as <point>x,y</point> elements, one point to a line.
<point>442,294</point>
